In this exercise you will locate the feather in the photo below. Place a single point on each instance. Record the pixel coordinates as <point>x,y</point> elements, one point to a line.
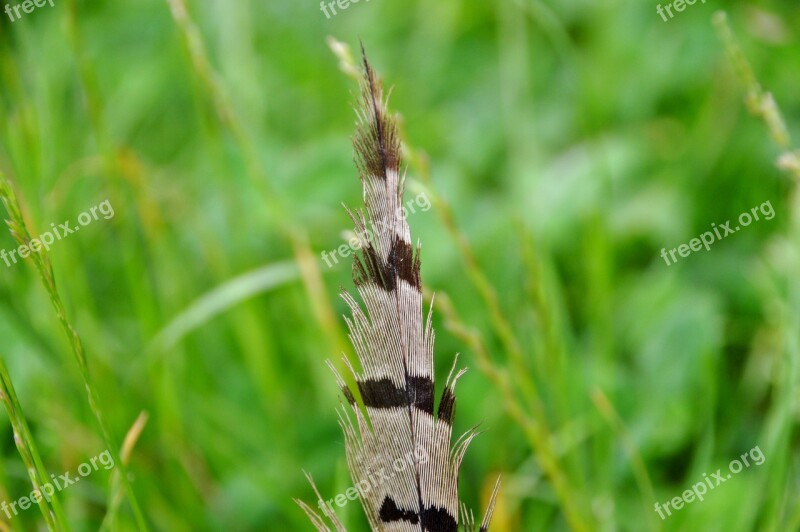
<point>398,449</point>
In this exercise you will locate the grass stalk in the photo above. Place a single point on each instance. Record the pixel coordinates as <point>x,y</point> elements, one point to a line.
<point>41,261</point>
<point>760,103</point>
<point>297,237</point>
<point>117,492</point>
<point>51,510</point>
<point>779,424</point>
<point>550,353</point>
<point>637,463</point>
<point>535,432</point>
<point>487,292</point>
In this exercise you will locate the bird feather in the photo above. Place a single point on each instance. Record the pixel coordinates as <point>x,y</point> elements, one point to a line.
<point>398,449</point>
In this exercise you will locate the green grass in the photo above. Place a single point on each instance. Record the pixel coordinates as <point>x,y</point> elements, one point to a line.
<point>564,145</point>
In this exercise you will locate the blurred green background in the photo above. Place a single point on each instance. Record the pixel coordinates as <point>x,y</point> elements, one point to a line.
<point>570,140</point>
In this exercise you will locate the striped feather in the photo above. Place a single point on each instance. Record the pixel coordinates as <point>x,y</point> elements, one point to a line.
<point>398,449</point>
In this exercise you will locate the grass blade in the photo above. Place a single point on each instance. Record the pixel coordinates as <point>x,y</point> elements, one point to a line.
<point>41,261</point>
<point>51,510</point>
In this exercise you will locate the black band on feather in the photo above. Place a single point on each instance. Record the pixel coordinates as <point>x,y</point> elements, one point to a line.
<point>348,395</point>
<point>447,406</point>
<point>421,393</point>
<point>403,263</point>
<point>384,393</point>
<point>438,520</point>
<point>432,519</point>
<point>368,267</point>
<point>390,513</point>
